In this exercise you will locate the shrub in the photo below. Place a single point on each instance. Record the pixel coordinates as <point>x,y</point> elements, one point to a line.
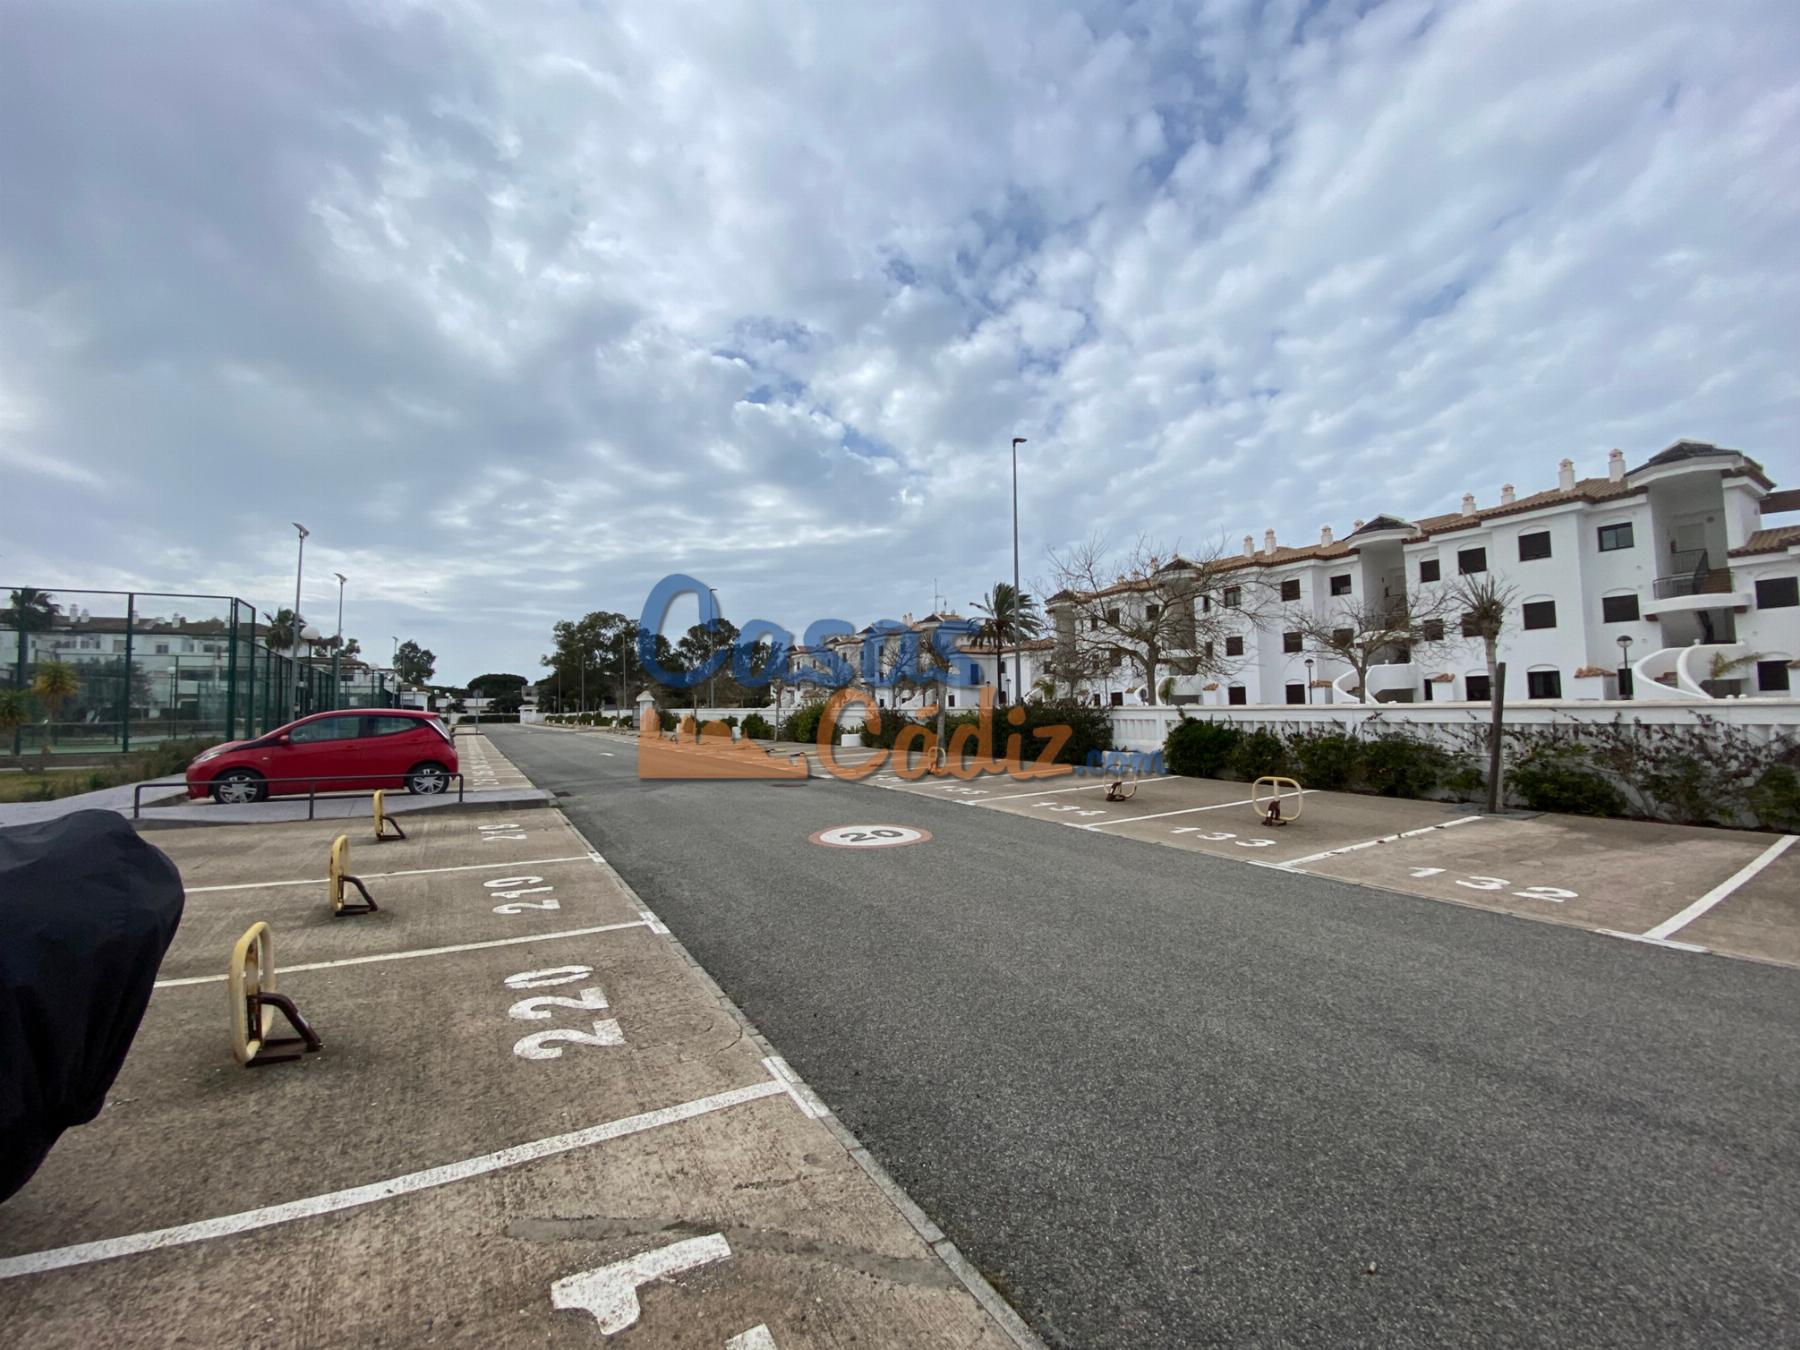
<point>1090,730</point>
<point>1776,798</point>
<point>1329,760</point>
<point>803,723</point>
<point>1257,755</point>
<point>1559,777</point>
<point>1466,782</point>
<point>1399,766</point>
<point>756,728</point>
<point>1200,749</point>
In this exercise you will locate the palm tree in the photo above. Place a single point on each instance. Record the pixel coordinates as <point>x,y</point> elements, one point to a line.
<point>1009,617</point>
<point>14,713</point>
<point>54,684</point>
<point>1484,600</point>
<point>352,649</point>
<point>279,635</point>
<point>31,610</point>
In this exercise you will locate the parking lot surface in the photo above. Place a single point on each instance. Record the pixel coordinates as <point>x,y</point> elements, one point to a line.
<point>533,1121</point>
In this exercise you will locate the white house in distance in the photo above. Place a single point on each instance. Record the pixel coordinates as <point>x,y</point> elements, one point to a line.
<point>1655,583</point>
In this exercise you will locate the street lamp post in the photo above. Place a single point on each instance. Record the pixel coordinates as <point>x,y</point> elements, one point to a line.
<point>337,687</point>
<point>1017,692</point>
<point>1309,669</point>
<point>299,572</point>
<point>1627,687</point>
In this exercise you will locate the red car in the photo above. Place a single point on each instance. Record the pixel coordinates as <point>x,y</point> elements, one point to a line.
<point>336,751</point>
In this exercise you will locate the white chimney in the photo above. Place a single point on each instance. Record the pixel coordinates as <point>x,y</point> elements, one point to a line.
<point>1468,506</point>
<point>1268,541</point>
<point>1355,525</point>
<point>1324,535</point>
<point>1249,546</point>
<point>1507,496</point>
<point>1565,476</point>
<point>1615,466</point>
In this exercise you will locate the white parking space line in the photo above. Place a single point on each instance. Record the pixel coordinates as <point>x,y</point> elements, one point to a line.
<point>1218,806</point>
<point>1293,863</point>
<point>107,1249</point>
<point>1051,792</point>
<point>369,876</point>
<point>647,922</point>
<point>1676,922</point>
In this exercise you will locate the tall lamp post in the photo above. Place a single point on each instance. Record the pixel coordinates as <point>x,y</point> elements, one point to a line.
<point>299,571</point>
<point>1309,668</point>
<point>1017,692</point>
<point>337,687</point>
<point>1626,682</point>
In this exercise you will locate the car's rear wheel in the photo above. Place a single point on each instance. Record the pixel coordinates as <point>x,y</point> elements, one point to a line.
<point>428,779</point>
<point>237,786</point>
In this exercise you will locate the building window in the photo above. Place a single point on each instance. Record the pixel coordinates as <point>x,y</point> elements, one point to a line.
<point>1290,589</point>
<point>1777,592</point>
<point>1772,677</point>
<point>1236,695</point>
<point>1618,608</point>
<point>974,673</point>
<point>1112,617</point>
<point>1428,687</point>
<point>1431,630</point>
<point>1471,561</point>
<point>1151,611</point>
<point>1207,651</point>
<point>1534,546</point>
<point>1118,698</point>
<point>1342,636</point>
<point>1615,537</point>
<point>1234,646</point>
<point>1340,584</point>
<point>1232,597</point>
<point>1540,614</point>
<point>1206,604</point>
<point>1296,693</point>
<point>1543,684</point>
<point>1290,642</point>
<point>1471,627</point>
<point>1428,569</point>
<point>952,701</point>
<point>1478,688</point>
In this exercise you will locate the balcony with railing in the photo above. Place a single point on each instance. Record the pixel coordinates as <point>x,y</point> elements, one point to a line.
<point>1693,583</point>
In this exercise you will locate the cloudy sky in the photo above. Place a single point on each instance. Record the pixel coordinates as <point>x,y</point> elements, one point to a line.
<point>521,306</point>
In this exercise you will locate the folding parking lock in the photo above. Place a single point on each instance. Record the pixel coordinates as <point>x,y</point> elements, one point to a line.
<point>1125,786</point>
<point>1280,790</point>
<point>254,1003</point>
<point>385,823</point>
<point>340,878</point>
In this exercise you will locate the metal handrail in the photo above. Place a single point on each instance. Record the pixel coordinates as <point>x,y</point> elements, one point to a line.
<point>1707,581</point>
<point>312,794</point>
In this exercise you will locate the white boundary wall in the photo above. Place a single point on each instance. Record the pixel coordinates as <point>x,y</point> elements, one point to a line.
<point>1449,723</point>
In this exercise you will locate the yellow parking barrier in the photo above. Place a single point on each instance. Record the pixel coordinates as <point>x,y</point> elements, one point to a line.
<point>385,822</point>
<point>340,877</point>
<point>254,1003</point>
<point>1269,807</point>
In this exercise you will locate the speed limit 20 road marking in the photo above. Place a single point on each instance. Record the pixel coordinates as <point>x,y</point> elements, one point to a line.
<point>870,836</point>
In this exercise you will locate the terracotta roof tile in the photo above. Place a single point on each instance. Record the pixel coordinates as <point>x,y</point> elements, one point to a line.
<point>1769,541</point>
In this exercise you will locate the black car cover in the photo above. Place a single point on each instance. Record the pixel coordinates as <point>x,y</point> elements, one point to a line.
<point>87,909</point>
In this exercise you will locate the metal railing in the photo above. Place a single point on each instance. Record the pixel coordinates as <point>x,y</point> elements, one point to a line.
<point>1702,581</point>
<point>388,782</point>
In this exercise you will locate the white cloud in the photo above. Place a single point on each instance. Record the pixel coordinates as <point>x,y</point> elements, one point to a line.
<point>513,301</point>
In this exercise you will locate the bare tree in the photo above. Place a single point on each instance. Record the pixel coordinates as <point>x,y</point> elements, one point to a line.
<point>1370,633</point>
<point>1150,607</point>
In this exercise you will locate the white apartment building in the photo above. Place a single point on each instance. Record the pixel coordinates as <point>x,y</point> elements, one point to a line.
<point>1661,582</point>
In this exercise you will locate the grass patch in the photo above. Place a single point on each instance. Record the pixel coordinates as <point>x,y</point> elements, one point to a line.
<point>50,784</point>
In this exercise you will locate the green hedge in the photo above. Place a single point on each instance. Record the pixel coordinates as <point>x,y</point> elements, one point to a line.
<point>756,728</point>
<point>1395,766</point>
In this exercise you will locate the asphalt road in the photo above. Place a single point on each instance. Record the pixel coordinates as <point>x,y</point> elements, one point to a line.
<point>1162,1099</point>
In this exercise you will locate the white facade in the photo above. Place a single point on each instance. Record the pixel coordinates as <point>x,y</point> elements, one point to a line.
<point>1677,556</point>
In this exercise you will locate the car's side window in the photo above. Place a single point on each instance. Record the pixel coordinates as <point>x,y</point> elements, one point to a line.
<point>327,729</point>
<point>392,726</point>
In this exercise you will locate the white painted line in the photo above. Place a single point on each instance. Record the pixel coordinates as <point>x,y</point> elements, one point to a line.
<point>1292,863</point>
<point>1219,806</point>
<point>1676,922</point>
<point>804,1097</point>
<point>425,951</point>
<point>107,1249</point>
<point>609,1293</point>
<point>369,876</point>
<point>1654,942</point>
<point>1051,792</point>
<point>757,1338</point>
